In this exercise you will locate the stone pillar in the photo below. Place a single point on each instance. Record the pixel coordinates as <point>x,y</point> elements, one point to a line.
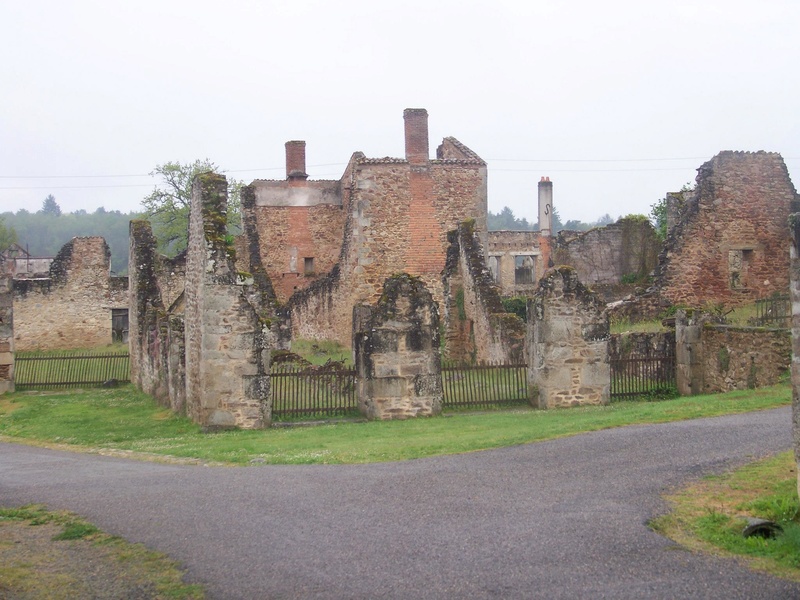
<point>226,340</point>
<point>546,206</point>
<point>567,343</point>
<point>6,328</point>
<point>397,352</point>
<point>689,354</point>
<point>794,290</point>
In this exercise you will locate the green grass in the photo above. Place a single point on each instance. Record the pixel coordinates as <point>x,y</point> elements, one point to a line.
<point>318,352</point>
<point>74,559</point>
<point>126,420</point>
<point>71,366</point>
<point>710,515</point>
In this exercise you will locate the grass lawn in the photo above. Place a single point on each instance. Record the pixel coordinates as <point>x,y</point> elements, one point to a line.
<point>709,516</point>
<point>126,420</point>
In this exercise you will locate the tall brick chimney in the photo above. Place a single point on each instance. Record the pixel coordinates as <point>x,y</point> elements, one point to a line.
<point>296,160</point>
<point>546,206</point>
<point>416,120</point>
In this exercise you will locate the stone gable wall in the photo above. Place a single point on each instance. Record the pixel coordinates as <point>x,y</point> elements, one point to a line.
<point>72,307</point>
<point>735,222</point>
<point>568,337</point>
<point>397,352</point>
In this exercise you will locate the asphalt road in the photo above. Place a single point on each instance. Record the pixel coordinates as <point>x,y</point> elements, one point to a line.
<point>559,519</point>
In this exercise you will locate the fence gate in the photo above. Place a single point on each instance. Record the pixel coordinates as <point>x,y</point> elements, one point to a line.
<point>484,385</point>
<point>641,368</point>
<point>36,371</point>
<point>312,391</point>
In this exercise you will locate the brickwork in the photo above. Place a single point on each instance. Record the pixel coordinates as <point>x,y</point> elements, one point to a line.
<point>226,340</point>
<point>396,218</point>
<point>397,352</point>
<point>6,326</point>
<point>568,339</point>
<point>72,307</point>
<point>729,243</point>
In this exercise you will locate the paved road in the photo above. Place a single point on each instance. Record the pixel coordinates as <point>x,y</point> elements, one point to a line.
<point>560,519</point>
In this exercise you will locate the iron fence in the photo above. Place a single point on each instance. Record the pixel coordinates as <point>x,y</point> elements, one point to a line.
<point>649,376</point>
<point>308,391</point>
<point>775,310</point>
<point>484,385</point>
<point>34,371</point>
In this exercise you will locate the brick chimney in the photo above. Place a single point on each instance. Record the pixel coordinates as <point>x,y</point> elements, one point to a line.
<point>546,206</point>
<point>416,121</point>
<point>296,160</point>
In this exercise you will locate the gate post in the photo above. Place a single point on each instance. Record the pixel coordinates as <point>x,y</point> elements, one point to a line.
<point>6,328</point>
<point>396,346</point>
<point>567,343</point>
<point>688,354</point>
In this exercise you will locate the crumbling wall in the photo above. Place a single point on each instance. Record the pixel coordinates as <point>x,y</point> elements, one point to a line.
<point>568,338</point>
<point>148,322</point>
<point>72,307</point>
<point>478,329</point>
<point>397,352</point>
<point>729,242</point>
<point>504,249</point>
<point>623,251</point>
<point>6,326</point>
<point>714,357</point>
<point>226,339</point>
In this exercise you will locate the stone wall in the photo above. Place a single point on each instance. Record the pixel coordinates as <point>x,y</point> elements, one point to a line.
<point>397,215</point>
<point>72,307</point>
<point>477,327</point>
<point>397,352</point>
<point>226,339</point>
<point>508,248</point>
<point>568,338</point>
<point>714,358</point>
<point>730,238</point>
<point>6,327</point>
<point>627,249</point>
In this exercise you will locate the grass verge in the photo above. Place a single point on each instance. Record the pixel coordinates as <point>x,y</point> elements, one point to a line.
<point>127,421</point>
<point>57,555</point>
<point>710,515</point>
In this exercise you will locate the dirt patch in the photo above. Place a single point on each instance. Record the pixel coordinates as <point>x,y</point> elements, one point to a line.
<point>35,565</point>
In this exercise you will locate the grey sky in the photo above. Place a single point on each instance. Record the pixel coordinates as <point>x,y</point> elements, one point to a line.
<point>114,88</point>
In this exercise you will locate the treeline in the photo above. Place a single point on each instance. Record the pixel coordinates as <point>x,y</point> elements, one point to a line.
<point>505,219</point>
<point>44,232</point>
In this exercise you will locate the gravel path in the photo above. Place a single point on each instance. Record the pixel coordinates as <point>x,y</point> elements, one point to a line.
<point>559,519</point>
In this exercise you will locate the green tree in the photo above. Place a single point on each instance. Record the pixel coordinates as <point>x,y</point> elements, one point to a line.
<point>658,216</point>
<point>8,235</point>
<point>50,206</point>
<point>167,206</point>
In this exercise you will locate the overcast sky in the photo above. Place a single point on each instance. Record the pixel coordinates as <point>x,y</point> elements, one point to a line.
<point>617,102</point>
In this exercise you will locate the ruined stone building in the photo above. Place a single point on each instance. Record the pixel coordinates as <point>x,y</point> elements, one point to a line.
<point>327,246</point>
<point>23,264</point>
<point>728,240</point>
<point>78,304</point>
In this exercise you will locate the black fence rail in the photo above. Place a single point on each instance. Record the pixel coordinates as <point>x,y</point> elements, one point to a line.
<point>484,385</point>
<point>303,391</point>
<point>650,376</point>
<point>36,371</point>
<point>775,310</point>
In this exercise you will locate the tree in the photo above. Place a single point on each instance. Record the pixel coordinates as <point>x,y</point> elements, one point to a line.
<point>50,206</point>
<point>606,219</point>
<point>8,235</point>
<point>658,216</point>
<point>167,206</point>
